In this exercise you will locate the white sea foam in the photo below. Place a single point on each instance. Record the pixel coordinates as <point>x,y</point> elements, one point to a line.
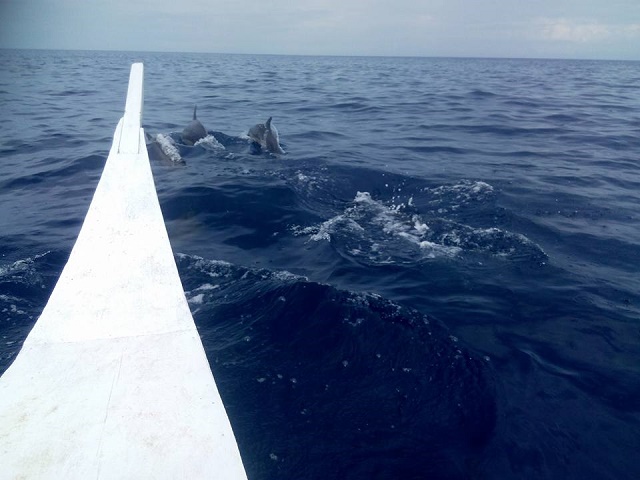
<point>25,269</point>
<point>210,142</point>
<point>393,233</point>
<point>382,234</point>
<point>197,299</point>
<point>450,198</point>
<point>286,276</point>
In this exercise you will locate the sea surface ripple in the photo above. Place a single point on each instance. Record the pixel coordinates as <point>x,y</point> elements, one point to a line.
<point>439,279</point>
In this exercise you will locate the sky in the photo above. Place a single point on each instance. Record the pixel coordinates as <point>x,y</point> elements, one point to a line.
<point>594,29</point>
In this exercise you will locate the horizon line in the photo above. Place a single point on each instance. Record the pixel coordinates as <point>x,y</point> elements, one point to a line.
<point>343,55</point>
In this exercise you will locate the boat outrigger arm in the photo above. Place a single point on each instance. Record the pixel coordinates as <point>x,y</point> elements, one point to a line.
<point>113,381</point>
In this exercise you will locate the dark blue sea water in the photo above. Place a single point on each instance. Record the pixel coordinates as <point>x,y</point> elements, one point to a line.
<point>438,280</point>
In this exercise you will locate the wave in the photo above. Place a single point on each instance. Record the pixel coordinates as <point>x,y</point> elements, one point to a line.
<point>55,169</point>
<point>366,377</point>
<point>377,232</point>
<point>25,286</point>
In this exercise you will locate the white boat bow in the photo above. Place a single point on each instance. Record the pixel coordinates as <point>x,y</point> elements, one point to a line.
<point>113,381</point>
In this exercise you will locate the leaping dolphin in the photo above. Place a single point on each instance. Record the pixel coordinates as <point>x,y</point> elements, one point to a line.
<point>194,131</point>
<point>266,136</point>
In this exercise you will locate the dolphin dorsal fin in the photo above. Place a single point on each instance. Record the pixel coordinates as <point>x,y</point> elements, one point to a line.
<point>194,111</point>
<point>268,123</point>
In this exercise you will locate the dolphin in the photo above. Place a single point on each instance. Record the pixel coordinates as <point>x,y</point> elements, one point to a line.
<point>194,131</point>
<point>266,136</point>
<point>161,149</point>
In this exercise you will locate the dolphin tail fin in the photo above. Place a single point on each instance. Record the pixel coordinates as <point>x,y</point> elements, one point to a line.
<point>194,111</point>
<point>268,123</point>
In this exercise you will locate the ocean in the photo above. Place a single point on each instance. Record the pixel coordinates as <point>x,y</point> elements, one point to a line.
<point>437,280</point>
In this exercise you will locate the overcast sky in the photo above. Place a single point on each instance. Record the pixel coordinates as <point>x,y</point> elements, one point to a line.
<point>608,29</point>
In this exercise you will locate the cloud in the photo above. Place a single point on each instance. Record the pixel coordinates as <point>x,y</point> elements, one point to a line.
<point>545,28</point>
<point>564,30</point>
<point>573,31</point>
<point>632,30</point>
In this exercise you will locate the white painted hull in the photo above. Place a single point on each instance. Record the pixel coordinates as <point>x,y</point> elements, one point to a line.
<point>113,381</point>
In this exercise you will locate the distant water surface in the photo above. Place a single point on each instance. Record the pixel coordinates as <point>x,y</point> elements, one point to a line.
<point>438,280</point>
